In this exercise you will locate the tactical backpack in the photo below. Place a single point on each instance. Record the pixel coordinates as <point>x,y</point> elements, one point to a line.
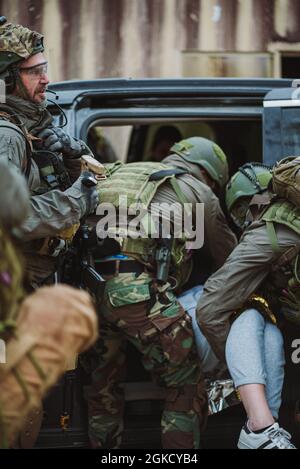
<point>286,179</point>
<point>286,211</point>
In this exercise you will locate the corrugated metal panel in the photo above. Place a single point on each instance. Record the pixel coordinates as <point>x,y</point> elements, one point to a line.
<point>139,38</point>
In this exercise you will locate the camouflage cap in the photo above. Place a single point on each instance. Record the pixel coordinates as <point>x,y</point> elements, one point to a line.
<point>17,43</point>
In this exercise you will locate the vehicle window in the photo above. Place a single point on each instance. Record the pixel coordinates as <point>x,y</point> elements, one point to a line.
<point>240,139</point>
<point>109,144</point>
<point>281,133</point>
<point>161,137</point>
<point>290,132</point>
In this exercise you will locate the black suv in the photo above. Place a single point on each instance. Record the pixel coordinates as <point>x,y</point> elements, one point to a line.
<point>252,120</point>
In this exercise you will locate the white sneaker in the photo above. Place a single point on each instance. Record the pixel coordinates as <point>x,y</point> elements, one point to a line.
<point>273,437</point>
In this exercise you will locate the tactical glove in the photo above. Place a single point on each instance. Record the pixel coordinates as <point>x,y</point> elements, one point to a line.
<point>290,305</point>
<point>291,315</point>
<point>55,139</point>
<point>89,195</point>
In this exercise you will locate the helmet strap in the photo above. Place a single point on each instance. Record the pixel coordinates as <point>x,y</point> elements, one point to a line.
<point>11,78</point>
<point>261,200</point>
<point>257,204</point>
<point>10,82</point>
<point>18,84</point>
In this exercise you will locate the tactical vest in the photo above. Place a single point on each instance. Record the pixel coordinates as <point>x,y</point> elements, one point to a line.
<point>53,174</point>
<point>11,281</point>
<point>285,274</point>
<point>137,183</point>
<point>285,213</point>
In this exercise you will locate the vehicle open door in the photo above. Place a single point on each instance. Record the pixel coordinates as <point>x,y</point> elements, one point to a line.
<point>281,138</point>
<point>281,123</point>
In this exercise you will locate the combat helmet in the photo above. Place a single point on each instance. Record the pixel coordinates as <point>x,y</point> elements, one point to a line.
<point>204,153</point>
<point>250,179</point>
<point>17,43</point>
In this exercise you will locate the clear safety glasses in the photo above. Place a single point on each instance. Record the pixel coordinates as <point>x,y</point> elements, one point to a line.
<point>37,71</point>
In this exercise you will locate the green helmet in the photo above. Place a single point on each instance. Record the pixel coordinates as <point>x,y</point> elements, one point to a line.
<point>204,153</point>
<point>250,179</point>
<point>17,43</point>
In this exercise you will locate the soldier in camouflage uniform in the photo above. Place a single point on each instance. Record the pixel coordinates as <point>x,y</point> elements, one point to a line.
<point>141,308</point>
<point>39,333</point>
<point>45,154</point>
<point>245,303</point>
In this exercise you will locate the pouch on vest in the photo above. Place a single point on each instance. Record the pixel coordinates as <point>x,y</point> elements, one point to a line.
<point>286,179</point>
<point>53,173</point>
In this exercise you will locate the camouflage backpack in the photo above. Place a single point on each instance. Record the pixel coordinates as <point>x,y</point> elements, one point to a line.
<point>286,179</point>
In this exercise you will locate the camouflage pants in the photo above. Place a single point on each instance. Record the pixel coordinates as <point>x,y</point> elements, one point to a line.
<point>135,309</point>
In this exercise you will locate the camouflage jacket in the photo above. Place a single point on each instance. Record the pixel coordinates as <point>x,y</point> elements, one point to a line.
<point>52,211</point>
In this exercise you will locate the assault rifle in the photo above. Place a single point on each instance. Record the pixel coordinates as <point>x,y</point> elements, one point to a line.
<point>76,267</point>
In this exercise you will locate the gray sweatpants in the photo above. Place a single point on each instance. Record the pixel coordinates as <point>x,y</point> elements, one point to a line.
<point>255,355</point>
<point>208,360</point>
